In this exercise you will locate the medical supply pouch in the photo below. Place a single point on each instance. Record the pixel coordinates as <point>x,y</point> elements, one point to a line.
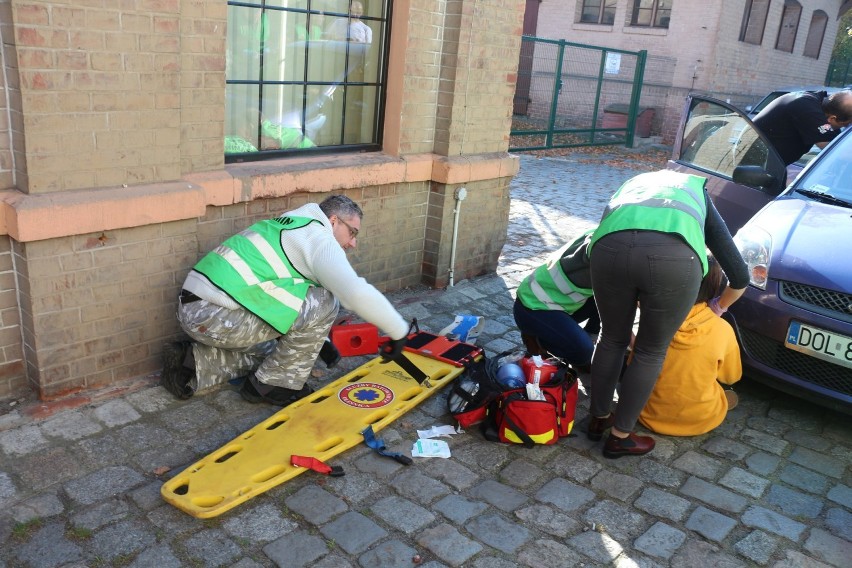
<point>472,392</point>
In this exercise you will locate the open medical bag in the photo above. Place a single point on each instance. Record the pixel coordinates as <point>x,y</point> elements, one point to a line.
<point>510,415</point>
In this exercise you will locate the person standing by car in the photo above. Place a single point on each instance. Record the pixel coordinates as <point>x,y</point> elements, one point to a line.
<point>650,252</point>
<point>688,398</point>
<point>797,121</point>
<point>261,304</point>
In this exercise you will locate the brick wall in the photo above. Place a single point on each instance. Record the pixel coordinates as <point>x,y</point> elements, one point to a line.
<point>702,45</point>
<point>12,158</point>
<point>390,246</point>
<point>128,98</point>
<point>96,307</point>
<point>390,250</point>
<point>485,205</point>
<point>103,304</point>
<point>760,69</point>
<point>6,176</point>
<point>12,375</point>
<point>120,93</point>
<point>461,62</point>
<point>479,63</point>
<point>201,29</point>
<point>424,59</point>
<point>481,46</point>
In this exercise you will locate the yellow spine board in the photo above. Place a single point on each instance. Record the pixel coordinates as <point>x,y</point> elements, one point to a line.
<point>321,425</point>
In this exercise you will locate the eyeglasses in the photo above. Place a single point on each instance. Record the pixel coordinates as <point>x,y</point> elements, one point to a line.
<point>353,232</point>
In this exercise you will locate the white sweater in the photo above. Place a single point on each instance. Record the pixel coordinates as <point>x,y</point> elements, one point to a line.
<point>316,254</point>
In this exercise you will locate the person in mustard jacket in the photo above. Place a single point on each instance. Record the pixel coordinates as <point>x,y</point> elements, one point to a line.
<point>688,398</point>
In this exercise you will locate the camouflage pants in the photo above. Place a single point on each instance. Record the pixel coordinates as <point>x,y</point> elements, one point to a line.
<point>228,344</point>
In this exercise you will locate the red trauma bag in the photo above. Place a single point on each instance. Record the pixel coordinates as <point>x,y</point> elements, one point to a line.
<point>513,418</point>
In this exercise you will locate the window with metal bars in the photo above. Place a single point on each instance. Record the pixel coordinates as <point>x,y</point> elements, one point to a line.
<point>304,76</point>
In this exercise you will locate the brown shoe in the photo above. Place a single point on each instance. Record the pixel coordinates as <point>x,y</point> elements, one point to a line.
<point>732,399</point>
<point>597,426</point>
<point>632,445</point>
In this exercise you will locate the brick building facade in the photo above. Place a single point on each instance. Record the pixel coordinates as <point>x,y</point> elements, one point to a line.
<point>113,180</point>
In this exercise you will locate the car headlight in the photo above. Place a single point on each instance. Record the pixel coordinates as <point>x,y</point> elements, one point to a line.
<point>755,246</point>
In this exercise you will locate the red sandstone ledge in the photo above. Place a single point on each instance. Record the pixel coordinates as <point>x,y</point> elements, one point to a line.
<point>36,217</point>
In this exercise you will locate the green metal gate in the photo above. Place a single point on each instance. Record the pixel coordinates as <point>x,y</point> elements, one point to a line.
<point>839,72</point>
<point>570,94</point>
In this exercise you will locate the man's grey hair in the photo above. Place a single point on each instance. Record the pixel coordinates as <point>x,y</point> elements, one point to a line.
<point>341,206</point>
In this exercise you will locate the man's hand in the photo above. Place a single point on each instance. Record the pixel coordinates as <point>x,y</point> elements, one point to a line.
<point>392,349</point>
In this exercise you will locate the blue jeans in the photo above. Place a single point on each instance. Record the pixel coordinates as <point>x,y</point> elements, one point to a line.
<point>560,333</point>
<point>660,274</point>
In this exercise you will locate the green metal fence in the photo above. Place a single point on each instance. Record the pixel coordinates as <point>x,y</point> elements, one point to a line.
<point>839,73</point>
<point>570,95</point>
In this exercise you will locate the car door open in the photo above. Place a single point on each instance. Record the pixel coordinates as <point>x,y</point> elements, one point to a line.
<point>743,170</point>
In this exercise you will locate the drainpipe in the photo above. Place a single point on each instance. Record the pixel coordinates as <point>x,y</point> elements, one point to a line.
<point>460,194</point>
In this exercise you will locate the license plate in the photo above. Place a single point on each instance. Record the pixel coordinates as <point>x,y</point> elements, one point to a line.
<point>819,343</point>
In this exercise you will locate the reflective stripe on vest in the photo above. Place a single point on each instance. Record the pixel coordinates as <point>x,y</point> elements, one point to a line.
<point>252,268</point>
<point>548,288</point>
<point>664,201</point>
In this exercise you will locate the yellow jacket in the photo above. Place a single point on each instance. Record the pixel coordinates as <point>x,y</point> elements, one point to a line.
<point>688,399</point>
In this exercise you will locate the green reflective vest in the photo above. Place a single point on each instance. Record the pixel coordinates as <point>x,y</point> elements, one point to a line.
<point>252,268</point>
<point>550,288</point>
<point>664,201</point>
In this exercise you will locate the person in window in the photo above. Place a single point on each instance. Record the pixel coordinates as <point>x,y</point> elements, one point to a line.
<point>688,398</point>
<point>259,307</point>
<point>351,29</point>
<point>555,299</point>
<point>797,121</point>
<point>650,252</point>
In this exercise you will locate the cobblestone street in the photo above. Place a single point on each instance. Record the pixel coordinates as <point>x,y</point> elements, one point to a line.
<point>772,486</point>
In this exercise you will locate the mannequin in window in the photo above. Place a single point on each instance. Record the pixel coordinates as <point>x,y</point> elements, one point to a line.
<point>351,29</point>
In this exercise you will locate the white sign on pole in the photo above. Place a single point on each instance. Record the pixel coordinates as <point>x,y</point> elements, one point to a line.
<point>613,63</point>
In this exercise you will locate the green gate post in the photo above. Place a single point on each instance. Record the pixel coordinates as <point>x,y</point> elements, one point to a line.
<point>638,77</point>
<point>557,88</point>
<point>596,107</point>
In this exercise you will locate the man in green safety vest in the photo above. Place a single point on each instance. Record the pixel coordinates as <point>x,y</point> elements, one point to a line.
<point>259,307</point>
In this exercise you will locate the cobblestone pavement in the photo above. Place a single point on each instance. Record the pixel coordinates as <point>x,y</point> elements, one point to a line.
<point>80,480</point>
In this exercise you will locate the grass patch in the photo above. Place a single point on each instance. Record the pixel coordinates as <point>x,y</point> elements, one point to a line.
<point>23,531</point>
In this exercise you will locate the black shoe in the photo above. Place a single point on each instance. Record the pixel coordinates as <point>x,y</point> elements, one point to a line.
<point>278,396</point>
<point>329,353</point>
<point>176,374</point>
